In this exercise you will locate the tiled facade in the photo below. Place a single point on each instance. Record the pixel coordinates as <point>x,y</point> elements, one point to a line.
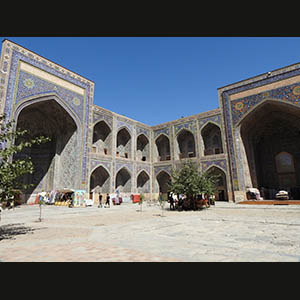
<point>47,80</point>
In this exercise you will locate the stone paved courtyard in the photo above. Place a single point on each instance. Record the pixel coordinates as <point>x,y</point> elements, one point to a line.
<point>227,232</point>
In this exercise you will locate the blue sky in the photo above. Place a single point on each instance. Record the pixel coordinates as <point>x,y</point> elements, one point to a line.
<point>159,79</point>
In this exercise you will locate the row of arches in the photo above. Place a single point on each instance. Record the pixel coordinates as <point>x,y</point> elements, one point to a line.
<point>55,162</point>
<point>102,143</point>
<point>185,145</point>
<point>100,182</point>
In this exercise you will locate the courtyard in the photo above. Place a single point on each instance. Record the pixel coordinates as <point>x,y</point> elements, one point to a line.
<point>226,232</point>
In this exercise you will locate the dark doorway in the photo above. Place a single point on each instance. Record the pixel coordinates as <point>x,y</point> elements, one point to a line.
<point>54,162</point>
<point>271,136</point>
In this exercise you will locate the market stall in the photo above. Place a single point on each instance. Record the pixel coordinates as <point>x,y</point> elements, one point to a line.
<point>62,197</point>
<point>81,198</point>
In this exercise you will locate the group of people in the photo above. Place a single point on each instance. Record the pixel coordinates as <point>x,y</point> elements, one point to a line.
<point>178,201</point>
<point>172,198</point>
<point>107,200</point>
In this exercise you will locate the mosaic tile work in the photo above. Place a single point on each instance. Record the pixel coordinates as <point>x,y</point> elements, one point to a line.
<point>214,119</point>
<point>234,110</point>
<point>290,94</point>
<point>119,165</point>
<point>69,158</point>
<point>141,130</point>
<point>165,131</point>
<point>97,163</point>
<point>191,126</point>
<point>98,116</point>
<point>32,86</point>
<point>125,123</point>
<point>167,168</point>
<point>18,88</point>
<point>144,167</point>
<point>219,163</point>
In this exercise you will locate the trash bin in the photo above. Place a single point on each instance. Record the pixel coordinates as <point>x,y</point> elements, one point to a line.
<point>135,198</point>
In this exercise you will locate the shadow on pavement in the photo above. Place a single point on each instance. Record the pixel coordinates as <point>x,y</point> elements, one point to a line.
<point>9,231</point>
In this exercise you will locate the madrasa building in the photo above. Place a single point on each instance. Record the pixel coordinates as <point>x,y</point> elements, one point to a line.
<point>252,139</point>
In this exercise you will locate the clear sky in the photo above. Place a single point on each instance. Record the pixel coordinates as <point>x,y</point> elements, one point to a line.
<point>159,79</point>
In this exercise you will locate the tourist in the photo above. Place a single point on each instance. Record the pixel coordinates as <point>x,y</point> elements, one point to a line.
<point>107,200</point>
<point>172,207</point>
<point>100,200</point>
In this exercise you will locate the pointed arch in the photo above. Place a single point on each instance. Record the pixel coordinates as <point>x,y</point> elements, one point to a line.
<point>143,170</point>
<point>124,143</point>
<point>143,182</point>
<point>123,180</point>
<point>57,161</point>
<point>216,166</point>
<point>259,143</point>
<point>142,148</point>
<point>186,146</point>
<point>49,96</point>
<point>102,138</point>
<point>264,102</point>
<point>163,178</point>
<point>221,193</point>
<point>162,147</point>
<point>100,180</point>
<point>211,138</point>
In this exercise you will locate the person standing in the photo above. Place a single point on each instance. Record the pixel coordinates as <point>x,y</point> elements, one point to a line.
<point>100,200</point>
<point>171,200</point>
<point>107,200</point>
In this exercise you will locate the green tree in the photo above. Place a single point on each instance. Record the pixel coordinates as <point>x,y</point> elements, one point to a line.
<point>162,199</point>
<point>186,180</point>
<point>209,184</point>
<point>13,141</point>
<point>141,201</point>
<point>189,181</point>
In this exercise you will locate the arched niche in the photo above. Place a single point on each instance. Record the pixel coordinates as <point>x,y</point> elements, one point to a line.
<point>123,143</point>
<point>185,144</point>
<point>163,178</point>
<point>102,139</point>
<point>142,148</point>
<point>56,162</point>
<point>269,138</point>
<point>143,182</point>
<point>162,148</point>
<point>100,180</point>
<point>221,193</point>
<point>123,181</point>
<point>212,139</point>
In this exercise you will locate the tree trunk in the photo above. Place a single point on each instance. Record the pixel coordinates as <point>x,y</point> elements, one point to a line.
<point>40,219</point>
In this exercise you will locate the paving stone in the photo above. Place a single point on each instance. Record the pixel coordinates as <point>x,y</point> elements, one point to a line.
<point>226,232</point>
